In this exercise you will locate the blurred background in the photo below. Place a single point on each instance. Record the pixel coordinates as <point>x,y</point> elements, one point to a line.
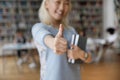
<point>98,20</point>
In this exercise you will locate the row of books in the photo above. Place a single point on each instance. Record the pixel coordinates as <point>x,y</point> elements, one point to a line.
<point>14,10</point>
<point>20,2</point>
<point>87,14</point>
<point>18,14</point>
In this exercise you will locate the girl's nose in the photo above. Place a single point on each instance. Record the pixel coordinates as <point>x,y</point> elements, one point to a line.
<point>61,7</point>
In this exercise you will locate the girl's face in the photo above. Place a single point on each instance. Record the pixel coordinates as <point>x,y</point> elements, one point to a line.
<point>58,9</point>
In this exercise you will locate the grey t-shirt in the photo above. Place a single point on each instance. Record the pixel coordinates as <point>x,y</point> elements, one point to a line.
<point>54,66</point>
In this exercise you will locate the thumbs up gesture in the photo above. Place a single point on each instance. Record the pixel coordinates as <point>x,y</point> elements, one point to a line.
<point>60,32</point>
<point>60,43</point>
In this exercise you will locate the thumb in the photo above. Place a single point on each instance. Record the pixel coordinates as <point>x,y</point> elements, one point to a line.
<point>60,32</point>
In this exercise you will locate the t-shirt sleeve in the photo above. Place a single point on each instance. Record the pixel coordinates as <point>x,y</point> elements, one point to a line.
<point>39,32</point>
<point>73,30</point>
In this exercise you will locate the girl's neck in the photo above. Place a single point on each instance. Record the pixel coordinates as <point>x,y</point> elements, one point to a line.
<point>56,24</point>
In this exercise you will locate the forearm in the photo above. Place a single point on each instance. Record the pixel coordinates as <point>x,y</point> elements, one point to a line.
<point>49,41</point>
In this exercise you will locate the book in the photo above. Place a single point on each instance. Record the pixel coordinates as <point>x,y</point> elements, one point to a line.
<point>79,41</point>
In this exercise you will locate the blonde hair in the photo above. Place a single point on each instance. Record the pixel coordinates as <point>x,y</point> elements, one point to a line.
<point>45,17</point>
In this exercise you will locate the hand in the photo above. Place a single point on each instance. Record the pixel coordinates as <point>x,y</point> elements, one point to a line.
<point>60,43</point>
<point>76,53</point>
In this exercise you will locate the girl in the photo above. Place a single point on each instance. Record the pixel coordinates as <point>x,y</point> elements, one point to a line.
<point>54,35</point>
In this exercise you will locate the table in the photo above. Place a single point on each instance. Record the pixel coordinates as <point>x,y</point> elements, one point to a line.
<point>18,46</point>
<point>14,47</point>
<point>103,44</point>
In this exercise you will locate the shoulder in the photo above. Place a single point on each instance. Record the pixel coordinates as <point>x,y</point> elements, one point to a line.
<point>39,26</point>
<point>72,29</point>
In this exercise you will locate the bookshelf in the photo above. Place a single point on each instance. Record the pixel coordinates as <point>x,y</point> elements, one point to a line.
<point>16,14</point>
<point>117,9</point>
<point>86,16</point>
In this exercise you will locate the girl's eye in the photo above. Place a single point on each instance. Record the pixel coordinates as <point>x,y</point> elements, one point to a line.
<point>66,3</point>
<point>57,2</point>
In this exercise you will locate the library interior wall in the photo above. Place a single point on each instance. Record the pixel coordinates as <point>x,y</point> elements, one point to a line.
<point>86,13</point>
<point>108,15</point>
<point>86,16</point>
<point>24,14</point>
<point>16,14</point>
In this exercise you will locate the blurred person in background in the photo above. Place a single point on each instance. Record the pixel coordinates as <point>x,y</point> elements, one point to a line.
<point>111,35</point>
<point>54,35</point>
<point>21,39</point>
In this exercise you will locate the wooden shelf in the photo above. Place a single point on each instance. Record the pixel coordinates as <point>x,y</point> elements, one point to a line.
<point>15,12</point>
<point>86,15</point>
